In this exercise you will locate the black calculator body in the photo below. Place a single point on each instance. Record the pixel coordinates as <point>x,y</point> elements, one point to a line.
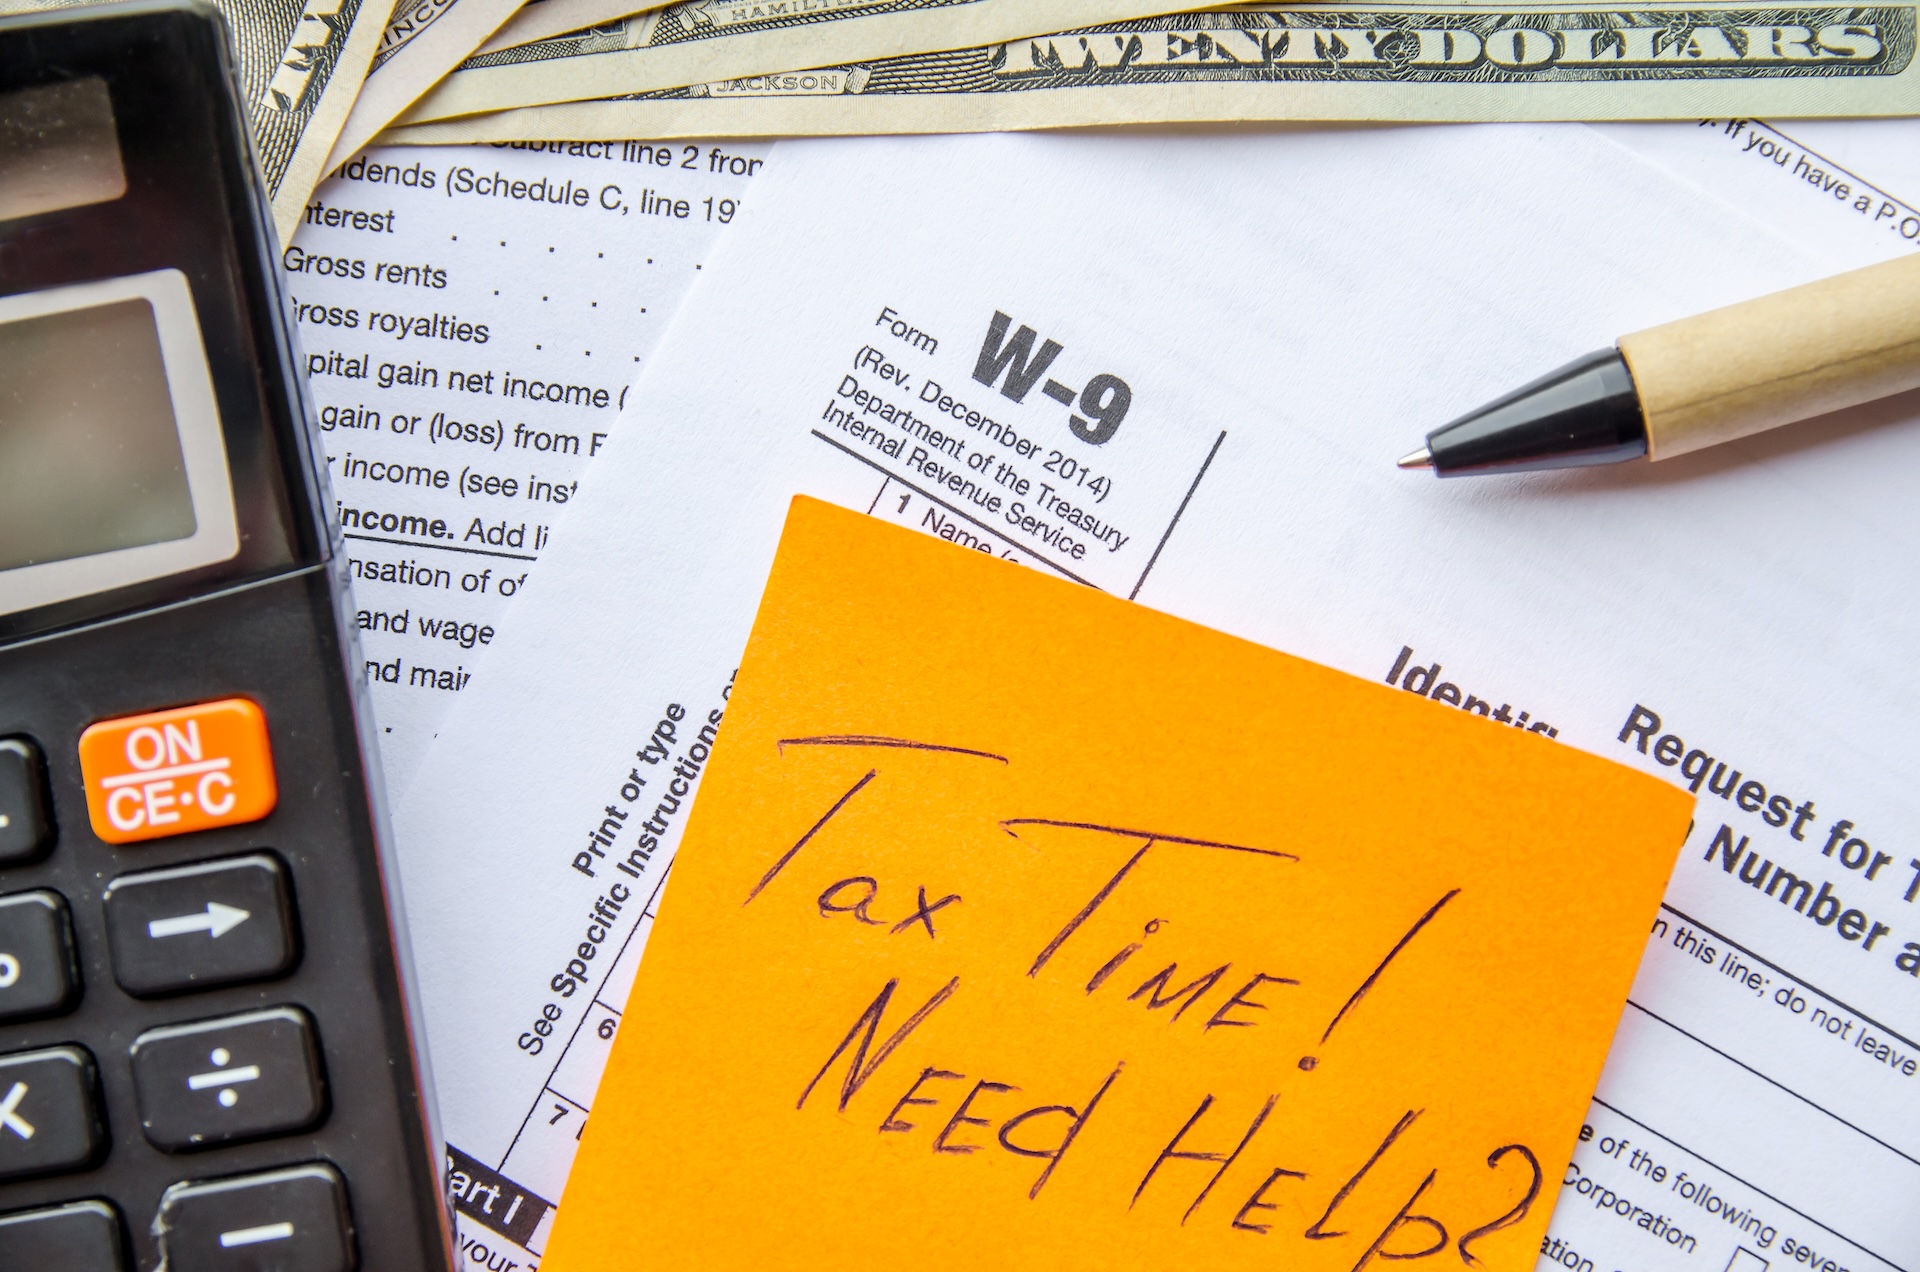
<point>207,1049</point>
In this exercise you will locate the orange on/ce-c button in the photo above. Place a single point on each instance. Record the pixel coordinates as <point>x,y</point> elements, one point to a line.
<point>172,772</point>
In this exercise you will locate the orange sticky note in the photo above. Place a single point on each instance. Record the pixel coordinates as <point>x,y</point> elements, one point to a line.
<point>1017,926</point>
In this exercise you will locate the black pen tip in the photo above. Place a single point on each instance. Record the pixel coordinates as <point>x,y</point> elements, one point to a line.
<point>1587,412</point>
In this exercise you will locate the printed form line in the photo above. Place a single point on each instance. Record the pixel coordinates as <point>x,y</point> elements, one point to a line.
<point>958,512</point>
<point>1744,1184</point>
<point>1764,961</point>
<point>646,915</point>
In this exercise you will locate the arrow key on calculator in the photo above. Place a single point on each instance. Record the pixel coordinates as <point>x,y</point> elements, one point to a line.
<point>194,927</point>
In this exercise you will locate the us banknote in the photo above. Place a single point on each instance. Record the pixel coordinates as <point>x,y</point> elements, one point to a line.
<point>423,41</point>
<point>1330,62</point>
<point>544,19</point>
<point>301,62</point>
<point>704,40</point>
<point>426,39</point>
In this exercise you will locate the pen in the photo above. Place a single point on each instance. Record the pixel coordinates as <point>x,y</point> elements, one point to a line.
<point>1703,380</point>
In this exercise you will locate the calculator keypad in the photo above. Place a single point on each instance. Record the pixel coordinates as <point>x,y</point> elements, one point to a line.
<point>26,823</point>
<point>225,1065</point>
<point>49,1112</point>
<point>198,926</point>
<point>178,930</point>
<point>38,976</point>
<point>240,1077</point>
<point>81,1236</point>
<point>293,1220</point>
<point>198,1084</point>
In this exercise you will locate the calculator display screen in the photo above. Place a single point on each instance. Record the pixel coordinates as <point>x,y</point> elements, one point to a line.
<point>90,455</point>
<point>113,469</point>
<point>58,149</point>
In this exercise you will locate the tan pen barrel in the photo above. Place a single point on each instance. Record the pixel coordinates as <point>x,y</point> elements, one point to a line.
<point>1784,357</point>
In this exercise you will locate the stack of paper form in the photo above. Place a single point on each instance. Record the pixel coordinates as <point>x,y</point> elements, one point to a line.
<point>1179,372</point>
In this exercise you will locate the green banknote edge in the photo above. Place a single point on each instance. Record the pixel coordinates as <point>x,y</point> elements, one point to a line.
<point>655,51</point>
<point>954,92</point>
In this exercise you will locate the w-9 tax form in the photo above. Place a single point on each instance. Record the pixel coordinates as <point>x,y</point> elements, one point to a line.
<point>1179,369</point>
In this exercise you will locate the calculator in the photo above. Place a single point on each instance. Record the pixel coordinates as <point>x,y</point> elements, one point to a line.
<point>208,1057</point>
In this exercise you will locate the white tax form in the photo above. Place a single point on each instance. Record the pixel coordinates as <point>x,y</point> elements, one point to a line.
<point>471,317</point>
<point>1179,369</point>
<point>1841,182</point>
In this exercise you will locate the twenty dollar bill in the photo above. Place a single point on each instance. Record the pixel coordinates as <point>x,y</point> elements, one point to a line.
<point>726,39</point>
<point>1331,62</point>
